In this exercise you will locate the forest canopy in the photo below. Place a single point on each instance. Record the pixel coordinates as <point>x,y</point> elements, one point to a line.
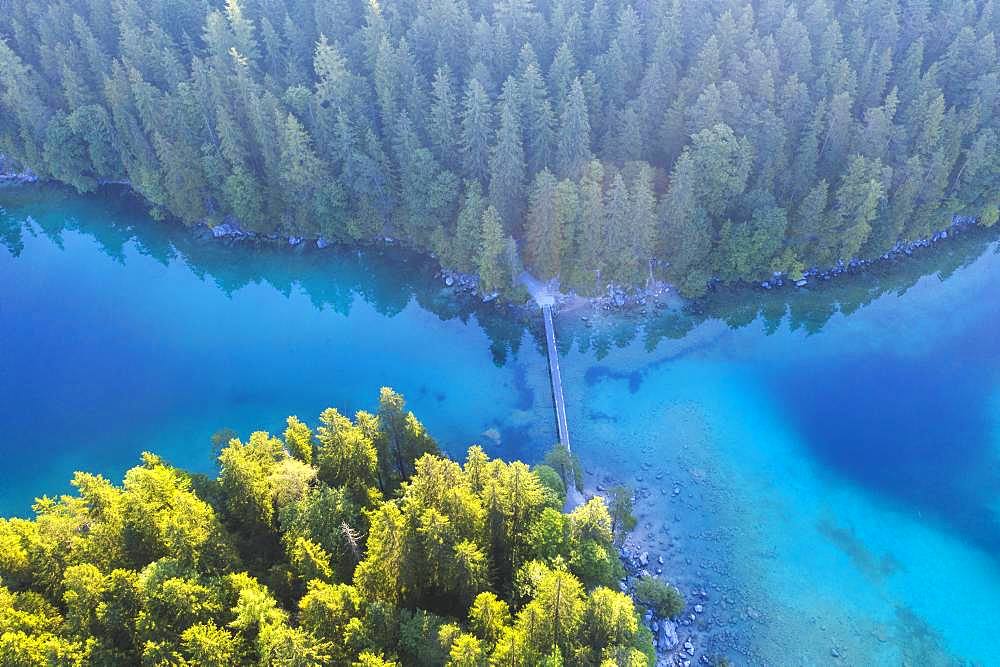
<point>354,542</point>
<point>600,141</point>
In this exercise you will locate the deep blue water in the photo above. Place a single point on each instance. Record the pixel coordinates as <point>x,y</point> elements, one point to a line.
<point>824,463</point>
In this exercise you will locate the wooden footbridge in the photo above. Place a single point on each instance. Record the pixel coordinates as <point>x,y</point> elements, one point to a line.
<point>554,374</point>
<point>544,298</point>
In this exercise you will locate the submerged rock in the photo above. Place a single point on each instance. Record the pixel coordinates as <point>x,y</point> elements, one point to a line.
<point>9,172</point>
<point>229,230</point>
<point>666,638</point>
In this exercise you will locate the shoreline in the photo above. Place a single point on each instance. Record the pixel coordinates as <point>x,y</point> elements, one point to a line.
<point>648,507</point>
<point>681,641</point>
<point>657,293</point>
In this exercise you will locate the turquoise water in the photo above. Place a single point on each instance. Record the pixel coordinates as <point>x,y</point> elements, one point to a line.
<point>821,463</point>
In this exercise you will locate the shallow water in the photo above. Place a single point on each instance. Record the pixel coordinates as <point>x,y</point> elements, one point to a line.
<point>822,463</point>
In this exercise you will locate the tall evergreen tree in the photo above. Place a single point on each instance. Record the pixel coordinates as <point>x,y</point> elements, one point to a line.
<point>494,274</point>
<point>443,125</point>
<point>507,167</point>
<point>543,227</point>
<point>573,148</point>
<point>538,119</point>
<point>477,129</point>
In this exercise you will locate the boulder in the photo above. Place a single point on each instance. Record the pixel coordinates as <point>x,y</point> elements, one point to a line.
<point>226,229</point>
<point>666,638</point>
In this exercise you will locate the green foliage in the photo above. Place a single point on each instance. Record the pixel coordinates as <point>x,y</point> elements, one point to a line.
<point>314,119</point>
<point>298,440</point>
<point>665,600</point>
<point>990,216</point>
<point>346,456</point>
<point>399,437</point>
<point>620,507</point>
<point>494,270</point>
<point>552,481</point>
<point>419,638</point>
<point>466,565</point>
<point>567,464</point>
<point>206,644</point>
<point>283,562</point>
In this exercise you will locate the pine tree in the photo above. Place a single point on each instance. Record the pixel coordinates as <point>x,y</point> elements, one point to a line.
<point>428,192</point>
<point>443,123</point>
<point>507,168</point>
<point>573,149</point>
<point>492,262</point>
<point>856,203</point>
<point>642,218</point>
<point>301,171</point>
<point>562,73</point>
<point>623,264</point>
<point>543,228</point>
<point>589,244</point>
<point>477,128</point>
<point>468,229</point>
<point>538,119</point>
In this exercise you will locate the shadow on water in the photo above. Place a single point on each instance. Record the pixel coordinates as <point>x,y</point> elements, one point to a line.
<point>891,442</point>
<point>388,279</point>
<point>808,309</point>
<point>914,432</point>
<point>597,373</point>
<point>917,432</point>
<point>875,567</point>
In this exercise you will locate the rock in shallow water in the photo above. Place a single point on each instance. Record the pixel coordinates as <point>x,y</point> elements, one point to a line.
<point>666,638</point>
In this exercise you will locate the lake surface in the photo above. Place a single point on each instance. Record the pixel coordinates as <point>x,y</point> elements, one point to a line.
<point>823,464</point>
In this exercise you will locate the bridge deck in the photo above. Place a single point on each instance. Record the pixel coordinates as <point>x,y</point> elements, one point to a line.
<point>557,390</point>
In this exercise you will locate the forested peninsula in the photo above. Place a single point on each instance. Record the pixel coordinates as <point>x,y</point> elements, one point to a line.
<point>600,141</point>
<point>355,542</point>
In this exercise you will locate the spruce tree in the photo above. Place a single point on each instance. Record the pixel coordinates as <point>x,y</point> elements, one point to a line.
<point>477,130</point>
<point>543,228</point>
<point>538,119</point>
<point>573,148</point>
<point>494,274</point>
<point>507,168</point>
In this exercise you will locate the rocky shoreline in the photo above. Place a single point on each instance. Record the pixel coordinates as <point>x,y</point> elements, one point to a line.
<point>11,173</point>
<point>901,249</point>
<point>617,298</point>
<point>679,641</point>
<point>667,632</point>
